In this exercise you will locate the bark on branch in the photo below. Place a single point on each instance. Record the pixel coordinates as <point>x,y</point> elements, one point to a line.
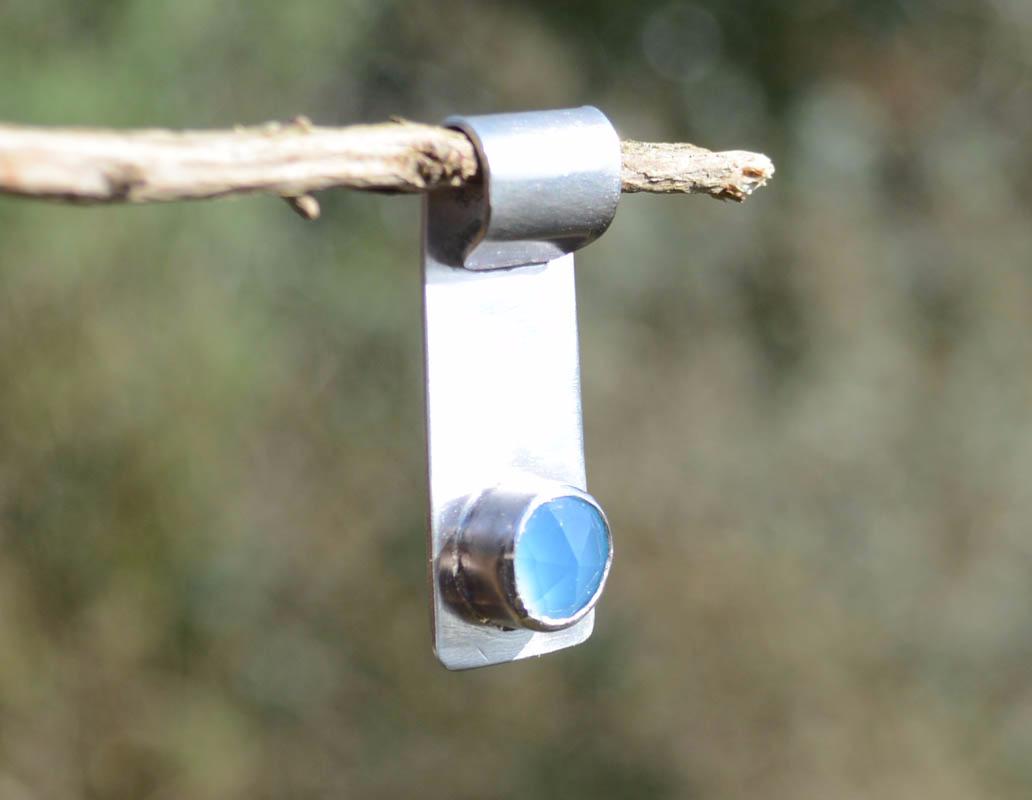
<point>297,158</point>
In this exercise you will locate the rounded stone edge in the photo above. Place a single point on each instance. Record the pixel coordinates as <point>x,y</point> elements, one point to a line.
<point>540,622</point>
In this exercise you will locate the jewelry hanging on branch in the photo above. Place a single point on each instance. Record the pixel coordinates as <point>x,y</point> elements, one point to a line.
<point>519,551</point>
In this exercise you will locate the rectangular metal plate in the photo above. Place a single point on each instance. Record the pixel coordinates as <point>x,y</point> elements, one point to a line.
<point>502,399</point>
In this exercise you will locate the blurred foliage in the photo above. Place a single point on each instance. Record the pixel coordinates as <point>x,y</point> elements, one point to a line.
<point>810,418</point>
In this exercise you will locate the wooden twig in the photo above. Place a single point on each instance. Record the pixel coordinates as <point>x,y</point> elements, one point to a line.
<point>687,169</point>
<point>297,158</point>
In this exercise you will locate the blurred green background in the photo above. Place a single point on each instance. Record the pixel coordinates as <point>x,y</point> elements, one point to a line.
<point>809,417</point>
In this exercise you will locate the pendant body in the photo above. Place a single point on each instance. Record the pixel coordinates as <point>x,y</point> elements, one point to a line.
<point>518,551</point>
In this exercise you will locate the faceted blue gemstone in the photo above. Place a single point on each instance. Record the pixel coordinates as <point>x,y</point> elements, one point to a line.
<point>560,558</point>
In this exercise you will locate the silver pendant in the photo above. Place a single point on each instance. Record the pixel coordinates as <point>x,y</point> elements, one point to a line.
<point>519,552</point>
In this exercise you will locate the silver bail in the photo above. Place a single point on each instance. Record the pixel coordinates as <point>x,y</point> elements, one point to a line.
<point>519,551</point>
<point>550,185</point>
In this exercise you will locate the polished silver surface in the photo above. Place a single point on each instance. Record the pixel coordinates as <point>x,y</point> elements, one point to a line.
<point>476,568</point>
<point>503,401</point>
<point>502,367</point>
<point>551,184</point>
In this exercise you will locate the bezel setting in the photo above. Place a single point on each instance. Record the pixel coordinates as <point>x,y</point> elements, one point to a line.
<point>480,576</point>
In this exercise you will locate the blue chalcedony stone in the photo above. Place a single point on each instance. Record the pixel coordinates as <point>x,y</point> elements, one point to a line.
<point>561,557</point>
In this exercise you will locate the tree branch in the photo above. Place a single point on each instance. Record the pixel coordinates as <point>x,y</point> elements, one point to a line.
<point>297,158</point>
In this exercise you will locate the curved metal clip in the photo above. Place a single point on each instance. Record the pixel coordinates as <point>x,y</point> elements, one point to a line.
<point>550,185</point>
